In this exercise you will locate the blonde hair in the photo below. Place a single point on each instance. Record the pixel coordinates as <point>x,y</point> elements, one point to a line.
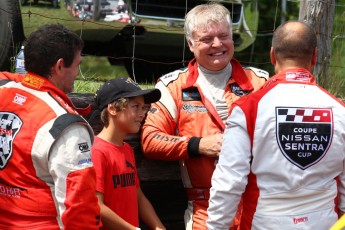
<point>119,105</point>
<point>203,16</point>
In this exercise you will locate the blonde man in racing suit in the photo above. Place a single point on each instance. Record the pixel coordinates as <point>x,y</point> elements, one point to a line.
<point>284,147</point>
<point>47,179</point>
<point>188,122</point>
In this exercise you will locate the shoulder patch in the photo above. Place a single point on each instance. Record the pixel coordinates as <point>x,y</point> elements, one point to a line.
<point>170,77</point>
<point>3,82</point>
<point>259,72</point>
<point>63,122</point>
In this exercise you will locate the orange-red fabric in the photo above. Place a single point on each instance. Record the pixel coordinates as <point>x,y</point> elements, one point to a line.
<point>27,189</point>
<point>117,178</point>
<point>166,138</point>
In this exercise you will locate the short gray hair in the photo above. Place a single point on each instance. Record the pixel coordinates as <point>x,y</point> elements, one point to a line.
<point>201,16</point>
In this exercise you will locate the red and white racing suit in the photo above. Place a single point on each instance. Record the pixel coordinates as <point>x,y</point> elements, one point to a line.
<point>183,115</point>
<point>284,150</point>
<point>47,179</point>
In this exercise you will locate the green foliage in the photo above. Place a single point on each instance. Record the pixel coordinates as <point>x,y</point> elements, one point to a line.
<point>336,79</point>
<point>81,86</point>
<point>96,69</point>
<point>271,16</point>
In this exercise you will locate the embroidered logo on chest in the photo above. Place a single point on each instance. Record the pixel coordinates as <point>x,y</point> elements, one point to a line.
<point>237,90</point>
<point>191,94</point>
<point>19,99</point>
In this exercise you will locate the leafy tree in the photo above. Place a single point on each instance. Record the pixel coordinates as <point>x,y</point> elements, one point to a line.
<point>271,16</point>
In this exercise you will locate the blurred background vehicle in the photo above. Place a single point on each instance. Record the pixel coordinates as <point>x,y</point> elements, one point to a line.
<point>53,2</point>
<point>145,36</point>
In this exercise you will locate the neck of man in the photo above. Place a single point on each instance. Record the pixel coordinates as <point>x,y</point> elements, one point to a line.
<point>291,64</point>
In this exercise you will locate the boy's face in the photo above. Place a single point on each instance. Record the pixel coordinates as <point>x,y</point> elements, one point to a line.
<point>129,119</point>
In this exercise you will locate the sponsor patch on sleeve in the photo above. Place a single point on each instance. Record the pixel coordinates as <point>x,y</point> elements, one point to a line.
<point>259,72</point>
<point>84,147</point>
<point>170,77</point>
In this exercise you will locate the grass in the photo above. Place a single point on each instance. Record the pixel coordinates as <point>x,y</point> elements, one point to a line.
<point>95,71</point>
<point>99,69</point>
<point>81,86</point>
<point>43,13</point>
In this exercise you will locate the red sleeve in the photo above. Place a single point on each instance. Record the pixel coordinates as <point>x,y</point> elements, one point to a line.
<point>11,76</point>
<point>81,203</point>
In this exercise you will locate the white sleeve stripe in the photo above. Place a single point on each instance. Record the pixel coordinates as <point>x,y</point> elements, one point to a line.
<point>259,72</point>
<point>167,100</point>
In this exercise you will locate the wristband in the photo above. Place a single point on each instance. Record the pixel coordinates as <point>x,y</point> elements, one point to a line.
<point>137,229</point>
<point>193,147</point>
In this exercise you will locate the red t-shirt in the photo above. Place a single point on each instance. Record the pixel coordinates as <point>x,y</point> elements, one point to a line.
<point>117,178</point>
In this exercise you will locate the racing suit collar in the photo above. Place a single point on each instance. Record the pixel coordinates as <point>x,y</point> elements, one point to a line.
<point>295,75</point>
<point>39,83</point>
<point>237,75</point>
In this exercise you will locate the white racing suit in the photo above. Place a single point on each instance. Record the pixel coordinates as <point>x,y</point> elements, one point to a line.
<point>283,152</point>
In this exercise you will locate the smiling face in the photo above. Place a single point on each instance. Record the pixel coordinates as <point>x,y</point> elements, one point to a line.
<point>213,46</point>
<point>130,118</point>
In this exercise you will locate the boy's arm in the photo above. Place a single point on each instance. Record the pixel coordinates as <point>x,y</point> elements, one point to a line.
<point>147,213</point>
<point>110,219</point>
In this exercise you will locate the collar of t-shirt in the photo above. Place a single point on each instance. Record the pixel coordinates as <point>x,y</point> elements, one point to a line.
<point>212,84</point>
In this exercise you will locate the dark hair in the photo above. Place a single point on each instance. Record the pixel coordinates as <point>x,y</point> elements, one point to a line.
<point>294,40</point>
<point>47,45</point>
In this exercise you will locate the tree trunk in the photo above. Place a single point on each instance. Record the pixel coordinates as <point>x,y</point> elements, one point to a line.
<point>96,10</point>
<point>319,14</point>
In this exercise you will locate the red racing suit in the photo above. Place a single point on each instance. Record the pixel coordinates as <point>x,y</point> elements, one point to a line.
<point>284,150</point>
<point>183,115</point>
<point>47,179</point>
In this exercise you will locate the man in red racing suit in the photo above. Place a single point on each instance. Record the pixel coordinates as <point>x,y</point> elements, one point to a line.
<point>188,121</point>
<point>47,179</point>
<point>184,115</point>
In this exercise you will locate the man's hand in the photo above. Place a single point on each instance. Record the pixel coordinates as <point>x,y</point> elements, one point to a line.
<point>210,146</point>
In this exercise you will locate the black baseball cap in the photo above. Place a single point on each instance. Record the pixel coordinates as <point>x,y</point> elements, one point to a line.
<point>117,88</point>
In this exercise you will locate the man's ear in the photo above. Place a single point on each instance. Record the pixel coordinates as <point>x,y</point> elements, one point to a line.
<point>273,56</point>
<point>190,45</point>
<point>58,66</point>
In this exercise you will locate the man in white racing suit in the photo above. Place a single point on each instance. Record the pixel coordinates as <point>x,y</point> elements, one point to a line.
<point>284,147</point>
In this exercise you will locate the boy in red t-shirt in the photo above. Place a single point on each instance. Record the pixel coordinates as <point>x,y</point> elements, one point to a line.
<point>123,105</point>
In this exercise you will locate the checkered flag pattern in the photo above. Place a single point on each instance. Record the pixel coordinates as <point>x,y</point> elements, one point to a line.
<point>304,115</point>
